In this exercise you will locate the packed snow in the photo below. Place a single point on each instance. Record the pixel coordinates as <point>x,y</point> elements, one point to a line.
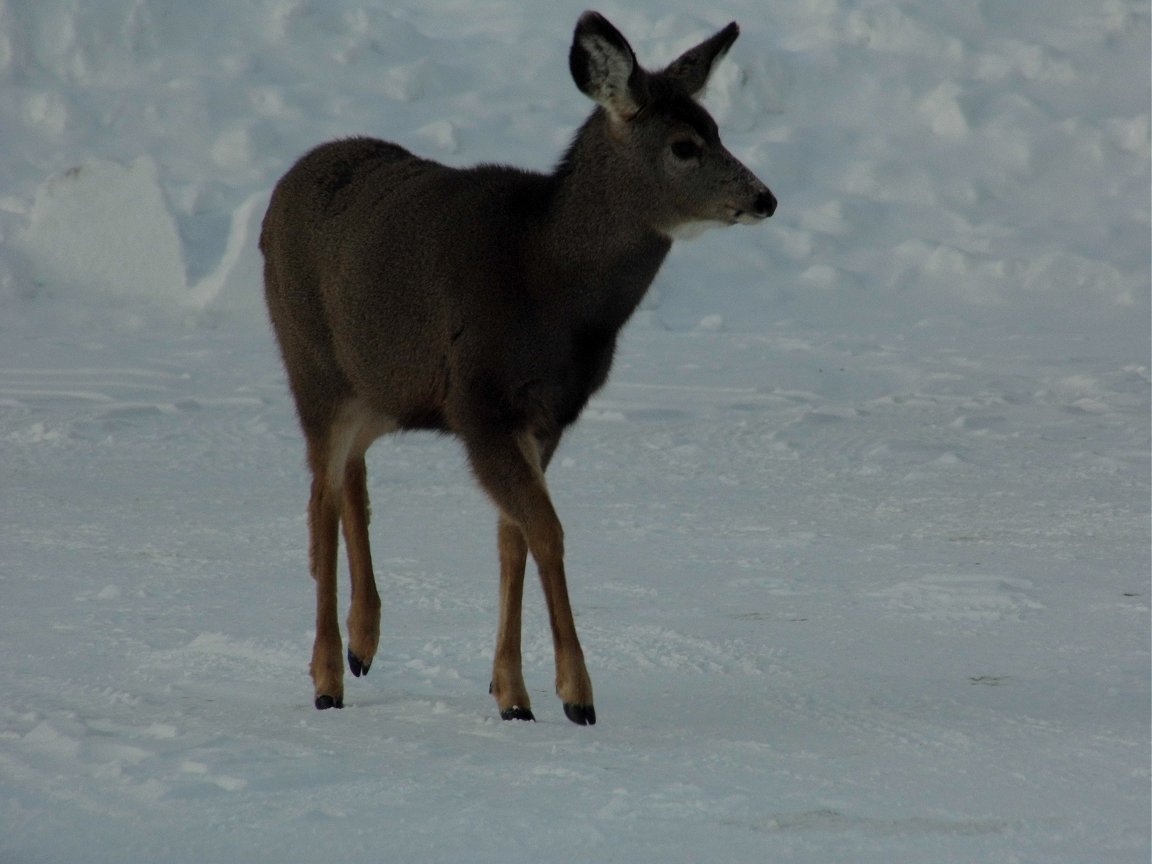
<point>858,533</point>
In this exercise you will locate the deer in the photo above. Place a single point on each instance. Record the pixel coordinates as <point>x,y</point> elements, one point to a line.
<point>483,303</point>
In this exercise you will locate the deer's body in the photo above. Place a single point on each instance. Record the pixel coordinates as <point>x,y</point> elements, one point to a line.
<point>505,309</point>
<point>486,303</point>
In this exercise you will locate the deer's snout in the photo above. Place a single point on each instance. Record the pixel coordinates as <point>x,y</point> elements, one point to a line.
<point>755,209</point>
<point>765,204</point>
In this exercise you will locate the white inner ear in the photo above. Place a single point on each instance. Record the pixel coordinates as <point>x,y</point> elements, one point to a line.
<point>611,69</point>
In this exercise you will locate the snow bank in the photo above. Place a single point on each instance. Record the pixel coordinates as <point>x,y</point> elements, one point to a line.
<point>979,156</point>
<point>102,230</point>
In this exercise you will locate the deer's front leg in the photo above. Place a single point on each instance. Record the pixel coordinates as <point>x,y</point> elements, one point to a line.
<point>573,686</point>
<point>507,674</point>
<point>510,469</point>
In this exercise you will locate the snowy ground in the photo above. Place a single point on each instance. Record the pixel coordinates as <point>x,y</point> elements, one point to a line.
<point>858,533</point>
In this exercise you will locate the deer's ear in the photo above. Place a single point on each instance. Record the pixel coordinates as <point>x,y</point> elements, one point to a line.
<point>694,66</point>
<point>604,67</point>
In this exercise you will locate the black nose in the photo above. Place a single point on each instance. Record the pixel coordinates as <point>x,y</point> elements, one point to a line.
<point>766,203</point>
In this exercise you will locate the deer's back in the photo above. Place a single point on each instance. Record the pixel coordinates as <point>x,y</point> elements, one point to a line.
<point>399,279</point>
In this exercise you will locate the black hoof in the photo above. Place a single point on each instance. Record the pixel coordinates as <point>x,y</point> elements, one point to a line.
<point>357,666</point>
<point>581,715</point>
<point>323,703</point>
<point>517,713</point>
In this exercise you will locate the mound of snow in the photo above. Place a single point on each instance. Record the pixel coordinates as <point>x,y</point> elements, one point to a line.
<point>103,231</point>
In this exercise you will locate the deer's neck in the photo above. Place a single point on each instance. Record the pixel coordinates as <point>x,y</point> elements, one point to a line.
<point>599,230</point>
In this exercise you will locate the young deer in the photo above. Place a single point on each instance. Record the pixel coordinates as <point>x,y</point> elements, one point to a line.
<point>483,302</point>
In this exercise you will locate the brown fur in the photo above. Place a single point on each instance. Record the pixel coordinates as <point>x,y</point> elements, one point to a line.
<point>485,303</point>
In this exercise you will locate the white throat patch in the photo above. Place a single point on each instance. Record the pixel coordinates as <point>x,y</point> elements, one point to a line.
<point>688,230</point>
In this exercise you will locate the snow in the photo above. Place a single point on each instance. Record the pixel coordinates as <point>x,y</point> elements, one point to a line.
<point>858,533</point>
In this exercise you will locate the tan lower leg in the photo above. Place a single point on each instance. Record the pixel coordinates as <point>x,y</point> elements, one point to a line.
<point>364,612</point>
<point>507,676</point>
<point>327,659</point>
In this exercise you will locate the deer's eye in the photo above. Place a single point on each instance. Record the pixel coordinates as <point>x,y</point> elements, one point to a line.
<point>686,149</point>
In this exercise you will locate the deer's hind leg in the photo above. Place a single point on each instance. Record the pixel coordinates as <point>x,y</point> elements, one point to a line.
<point>364,612</point>
<point>323,531</point>
<point>340,493</point>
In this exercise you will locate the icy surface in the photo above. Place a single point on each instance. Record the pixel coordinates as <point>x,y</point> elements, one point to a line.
<point>858,533</point>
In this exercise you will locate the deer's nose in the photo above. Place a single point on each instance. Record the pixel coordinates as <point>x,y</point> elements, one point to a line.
<point>765,203</point>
